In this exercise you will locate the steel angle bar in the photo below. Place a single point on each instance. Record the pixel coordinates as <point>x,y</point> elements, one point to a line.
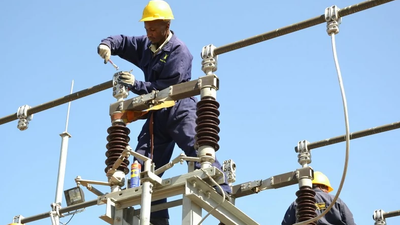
<point>206,197</point>
<point>161,206</point>
<point>174,92</point>
<point>62,210</point>
<point>274,182</point>
<point>297,26</point>
<point>170,187</point>
<point>247,188</point>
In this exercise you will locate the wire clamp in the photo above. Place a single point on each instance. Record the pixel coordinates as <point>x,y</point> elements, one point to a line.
<point>333,19</point>
<point>22,115</point>
<point>17,220</point>
<point>378,217</point>
<point>304,156</point>
<point>229,168</point>
<point>120,92</point>
<point>210,61</point>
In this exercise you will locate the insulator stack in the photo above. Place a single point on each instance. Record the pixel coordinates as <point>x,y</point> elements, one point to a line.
<point>117,139</point>
<point>306,204</point>
<point>207,121</point>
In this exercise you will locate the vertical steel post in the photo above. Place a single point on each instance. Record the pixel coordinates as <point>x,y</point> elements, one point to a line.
<point>61,168</point>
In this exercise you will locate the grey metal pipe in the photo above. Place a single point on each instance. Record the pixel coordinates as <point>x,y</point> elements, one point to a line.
<point>354,135</point>
<point>94,190</point>
<point>391,214</point>
<point>145,202</point>
<point>62,210</point>
<point>297,26</point>
<point>60,101</point>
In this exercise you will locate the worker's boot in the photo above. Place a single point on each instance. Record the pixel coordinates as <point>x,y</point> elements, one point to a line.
<point>159,221</point>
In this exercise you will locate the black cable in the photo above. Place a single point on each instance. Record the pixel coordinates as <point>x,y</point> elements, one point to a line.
<point>70,218</point>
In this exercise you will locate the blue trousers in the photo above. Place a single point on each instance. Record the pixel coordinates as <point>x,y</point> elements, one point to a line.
<point>174,125</point>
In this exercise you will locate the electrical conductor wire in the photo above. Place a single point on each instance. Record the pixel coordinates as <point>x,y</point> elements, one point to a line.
<point>219,204</point>
<point>347,137</point>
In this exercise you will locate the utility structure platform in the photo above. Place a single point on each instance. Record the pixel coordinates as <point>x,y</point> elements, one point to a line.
<point>198,188</point>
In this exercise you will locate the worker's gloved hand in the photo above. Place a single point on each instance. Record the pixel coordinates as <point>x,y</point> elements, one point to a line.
<point>104,52</point>
<point>127,79</point>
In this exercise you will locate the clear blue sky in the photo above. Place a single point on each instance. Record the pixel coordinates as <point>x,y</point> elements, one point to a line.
<point>272,95</point>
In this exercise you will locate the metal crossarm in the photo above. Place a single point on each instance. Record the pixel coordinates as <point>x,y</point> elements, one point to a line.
<point>174,92</point>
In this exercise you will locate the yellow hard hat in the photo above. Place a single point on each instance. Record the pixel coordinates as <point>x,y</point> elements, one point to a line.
<point>157,10</point>
<point>320,178</point>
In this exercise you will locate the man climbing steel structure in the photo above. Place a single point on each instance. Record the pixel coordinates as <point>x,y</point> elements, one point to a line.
<point>339,214</point>
<point>165,60</point>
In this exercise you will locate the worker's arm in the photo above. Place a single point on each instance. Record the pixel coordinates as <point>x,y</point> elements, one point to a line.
<point>290,215</point>
<point>174,69</point>
<point>126,47</point>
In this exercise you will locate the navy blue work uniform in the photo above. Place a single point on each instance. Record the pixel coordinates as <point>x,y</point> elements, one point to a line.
<point>172,65</point>
<point>338,215</point>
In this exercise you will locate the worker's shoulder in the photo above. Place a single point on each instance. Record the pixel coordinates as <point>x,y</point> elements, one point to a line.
<point>140,39</point>
<point>175,41</point>
<point>178,46</point>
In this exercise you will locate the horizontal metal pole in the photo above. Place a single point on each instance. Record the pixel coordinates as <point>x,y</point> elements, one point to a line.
<point>297,26</point>
<point>60,101</point>
<point>274,182</point>
<point>62,210</point>
<point>391,214</point>
<point>174,92</point>
<point>94,190</point>
<point>247,188</point>
<point>354,135</point>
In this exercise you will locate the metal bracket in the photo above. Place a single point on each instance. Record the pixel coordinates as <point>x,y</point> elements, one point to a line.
<point>174,92</point>
<point>305,176</point>
<point>149,176</point>
<point>378,217</point>
<point>229,168</point>
<point>169,187</point>
<point>110,209</point>
<point>18,219</point>
<point>274,182</point>
<point>119,91</point>
<point>247,188</point>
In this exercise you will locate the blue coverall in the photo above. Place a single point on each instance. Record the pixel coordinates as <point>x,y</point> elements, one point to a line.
<point>338,215</point>
<point>172,65</point>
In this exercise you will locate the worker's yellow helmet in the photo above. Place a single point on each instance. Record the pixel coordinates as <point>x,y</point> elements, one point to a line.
<point>320,178</point>
<point>157,10</point>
